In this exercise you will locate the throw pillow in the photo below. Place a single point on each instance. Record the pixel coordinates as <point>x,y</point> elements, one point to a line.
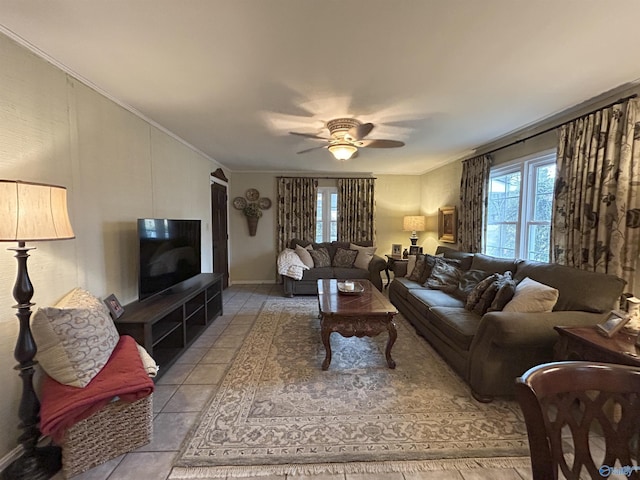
<point>304,255</point>
<point>506,290</point>
<point>418,269</point>
<point>75,338</point>
<point>365,254</point>
<point>532,297</point>
<point>411,264</point>
<point>478,290</point>
<point>320,257</point>
<point>344,258</point>
<point>430,262</point>
<point>468,281</point>
<point>444,276</point>
<point>488,297</point>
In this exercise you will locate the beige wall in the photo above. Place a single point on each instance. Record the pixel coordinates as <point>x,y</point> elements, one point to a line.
<point>116,167</point>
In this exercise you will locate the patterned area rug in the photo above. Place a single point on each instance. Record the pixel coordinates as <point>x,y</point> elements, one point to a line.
<point>277,412</point>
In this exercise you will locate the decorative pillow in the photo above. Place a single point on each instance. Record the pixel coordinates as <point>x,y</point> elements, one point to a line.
<point>411,264</point>
<point>418,269</point>
<point>506,290</point>
<point>478,290</point>
<point>365,254</point>
<point>75,338</point>
<point>320,257</point>
<point>304,255</point>
<point>468,281</point>
<point>430,262</point>
<point>532,297</point>
<point>444,276</point>
<point>344,258</point>
<point>488,297</point>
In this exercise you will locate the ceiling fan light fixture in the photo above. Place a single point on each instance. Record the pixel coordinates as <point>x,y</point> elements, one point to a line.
<point>342,151</point>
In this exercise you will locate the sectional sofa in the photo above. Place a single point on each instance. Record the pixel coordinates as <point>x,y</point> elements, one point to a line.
<point>490,350</point>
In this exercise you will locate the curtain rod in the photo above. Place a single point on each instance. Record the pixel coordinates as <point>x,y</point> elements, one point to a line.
<point>335,178</point>
<point>515,142</point>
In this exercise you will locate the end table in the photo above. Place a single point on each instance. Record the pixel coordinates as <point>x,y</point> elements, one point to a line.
<point>586,344</point>
<point>391,261</point>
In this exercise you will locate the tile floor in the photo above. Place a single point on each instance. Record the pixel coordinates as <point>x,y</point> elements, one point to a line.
<point>183,390</point>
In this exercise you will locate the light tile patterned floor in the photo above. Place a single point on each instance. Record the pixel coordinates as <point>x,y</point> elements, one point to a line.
<point>183,390</point>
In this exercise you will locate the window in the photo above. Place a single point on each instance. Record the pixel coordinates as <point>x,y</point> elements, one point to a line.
<point>327,214</point>
<point>518,220</point>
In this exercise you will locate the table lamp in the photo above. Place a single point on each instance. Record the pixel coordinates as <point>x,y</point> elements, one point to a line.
<point>413,224</point>
<point>30,212</point>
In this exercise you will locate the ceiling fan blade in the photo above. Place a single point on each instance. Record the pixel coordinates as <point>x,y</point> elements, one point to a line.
<point>312,148</point>
<point>381,144</point>
<point>308,135</point>
<point>360,131</point>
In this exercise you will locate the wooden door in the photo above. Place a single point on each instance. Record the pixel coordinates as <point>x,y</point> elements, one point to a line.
<point>219,231</point>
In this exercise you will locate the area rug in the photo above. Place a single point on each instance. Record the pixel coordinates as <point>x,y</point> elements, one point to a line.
<point>276,412</point>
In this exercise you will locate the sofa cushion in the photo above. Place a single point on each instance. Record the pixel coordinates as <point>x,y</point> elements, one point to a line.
<point>402,285</point>
<point>344,258</point>
<point>424,298</point>
<point>494,264</point>
<point>75,338</point>
<point>456,323</point>
<point>465,258</point>
<point>317,273</point>
<point>305,256</point>
<point>578,289</point>
<point>365,254</point>
<point>445,275</point>
<point>350,273</point>
<point>532,297</point>
<point>320,257</point>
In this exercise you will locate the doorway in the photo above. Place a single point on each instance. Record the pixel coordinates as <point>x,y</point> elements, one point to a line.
<point>219,233</point>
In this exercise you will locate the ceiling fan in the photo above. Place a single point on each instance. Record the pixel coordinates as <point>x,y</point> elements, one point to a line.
<point>346,136</point>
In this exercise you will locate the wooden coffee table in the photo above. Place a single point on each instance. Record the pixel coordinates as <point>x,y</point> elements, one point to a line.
<point>366,314</point>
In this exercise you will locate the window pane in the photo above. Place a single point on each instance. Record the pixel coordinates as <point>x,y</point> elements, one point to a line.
<point>545,180</point>
<point>318,232</point>
<point>538,242</point>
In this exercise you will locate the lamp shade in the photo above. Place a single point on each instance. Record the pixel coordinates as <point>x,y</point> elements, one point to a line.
<point>33,211</point>
<point>413,223</point>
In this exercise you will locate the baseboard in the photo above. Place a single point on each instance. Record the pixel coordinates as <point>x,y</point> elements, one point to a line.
<point>10,457</point>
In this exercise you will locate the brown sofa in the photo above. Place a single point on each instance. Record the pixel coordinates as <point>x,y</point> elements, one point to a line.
<point>308,285</point>
<point>491,350</point>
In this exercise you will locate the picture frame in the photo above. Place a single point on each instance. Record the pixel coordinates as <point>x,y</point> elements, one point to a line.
<point>447,225</point>
<point>415,250</point>
<point>613,323</point>
<point>396,249</point>
<point>115,308</point>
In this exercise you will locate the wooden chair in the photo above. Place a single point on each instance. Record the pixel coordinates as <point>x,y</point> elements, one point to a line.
<point>564,402</point>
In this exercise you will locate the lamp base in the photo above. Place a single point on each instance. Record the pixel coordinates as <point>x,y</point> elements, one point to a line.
<point>414,241</point>
<point>44,464</point>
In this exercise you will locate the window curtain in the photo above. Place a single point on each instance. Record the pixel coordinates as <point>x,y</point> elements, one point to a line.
<point>356,208</point>
<point>596,218</point>
<point>297,199</point>
<point>473,202</point>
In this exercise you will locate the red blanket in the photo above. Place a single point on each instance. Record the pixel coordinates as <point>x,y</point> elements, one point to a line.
<point>123,376</point>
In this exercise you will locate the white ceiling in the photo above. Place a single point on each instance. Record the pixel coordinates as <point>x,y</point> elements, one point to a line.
<point>233,77</point>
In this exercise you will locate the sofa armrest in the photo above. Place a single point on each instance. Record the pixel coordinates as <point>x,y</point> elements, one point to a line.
<point>376,265</point>
<point>530,329</point>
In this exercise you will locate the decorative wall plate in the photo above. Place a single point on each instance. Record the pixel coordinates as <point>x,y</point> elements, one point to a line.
<point>252,194</point>
<point>264,203</point>
<point>239,203</point>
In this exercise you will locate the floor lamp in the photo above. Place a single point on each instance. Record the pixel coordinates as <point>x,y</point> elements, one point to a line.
<point>30,212</point>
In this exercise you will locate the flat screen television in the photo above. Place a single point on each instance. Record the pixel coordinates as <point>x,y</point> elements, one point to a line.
<point>169,253</point>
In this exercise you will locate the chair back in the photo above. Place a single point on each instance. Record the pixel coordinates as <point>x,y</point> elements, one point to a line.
<point>582,418</point>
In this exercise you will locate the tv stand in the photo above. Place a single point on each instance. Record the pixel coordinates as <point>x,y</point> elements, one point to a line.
<point>166,325</point>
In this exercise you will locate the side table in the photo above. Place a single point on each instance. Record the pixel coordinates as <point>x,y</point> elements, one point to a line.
<point>391,261</point>
<point>586,344</point>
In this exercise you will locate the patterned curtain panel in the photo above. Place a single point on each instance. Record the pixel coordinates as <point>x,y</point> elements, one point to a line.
<point>473,202</point>
<point>297,199</point>
<point>596,218</point>
<point>356,208</point>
